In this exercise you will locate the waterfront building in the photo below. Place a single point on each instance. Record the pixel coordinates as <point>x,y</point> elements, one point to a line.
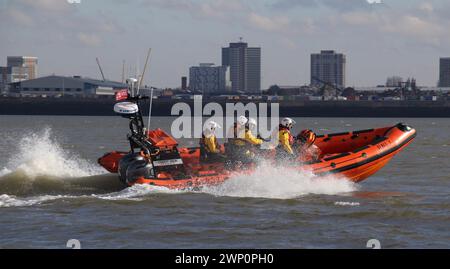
<point>60,86</point>
<point>208,78</point>
<point>18,68</point>
<point>328,66</point>
<point>444,72</point>
<point>245,67</point>
<point>22,67</point>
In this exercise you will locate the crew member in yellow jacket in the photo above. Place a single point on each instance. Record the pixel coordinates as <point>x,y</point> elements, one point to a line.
<point>285,139</point>
<point>243,142</point>
<point>249,137</point>
<point>209,146</point>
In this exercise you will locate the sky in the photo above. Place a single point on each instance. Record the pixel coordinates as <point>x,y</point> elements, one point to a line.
<point>395,37</point>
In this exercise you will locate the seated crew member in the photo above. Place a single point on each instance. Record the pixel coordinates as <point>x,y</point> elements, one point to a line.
<point>249,137</point>
<point>209,146</point>
<point>240,146</point>
<point>285,140</point>
<point>306,148</point>
<point>235,143</point>
<point>235,133</point>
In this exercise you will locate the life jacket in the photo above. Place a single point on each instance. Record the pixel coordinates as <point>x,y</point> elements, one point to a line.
<point>236,141</point>
<point>203,144</point>
<point>306,138</point>
<point>281,128</point>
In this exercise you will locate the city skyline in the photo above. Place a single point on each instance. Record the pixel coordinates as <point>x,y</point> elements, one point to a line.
<point>401,38</point>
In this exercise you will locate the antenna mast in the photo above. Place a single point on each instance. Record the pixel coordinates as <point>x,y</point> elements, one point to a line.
<point>100,67</point>
<point>123,71</point>
<point>145,67</point>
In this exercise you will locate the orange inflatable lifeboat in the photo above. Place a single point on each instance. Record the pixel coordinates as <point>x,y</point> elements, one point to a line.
<point>359,154</point>
<point>353,155</point>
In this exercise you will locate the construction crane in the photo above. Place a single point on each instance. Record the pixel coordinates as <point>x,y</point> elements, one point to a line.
<point>100,67</point>
<point>339,91</point>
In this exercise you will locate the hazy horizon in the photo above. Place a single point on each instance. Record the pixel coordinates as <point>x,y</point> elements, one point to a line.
<point>397,37</point>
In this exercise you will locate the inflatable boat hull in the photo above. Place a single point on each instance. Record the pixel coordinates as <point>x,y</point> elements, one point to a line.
<point>350,155</point>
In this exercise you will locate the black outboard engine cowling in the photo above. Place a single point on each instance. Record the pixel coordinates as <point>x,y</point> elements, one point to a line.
<point>125,162</point>
<point>137,169</point>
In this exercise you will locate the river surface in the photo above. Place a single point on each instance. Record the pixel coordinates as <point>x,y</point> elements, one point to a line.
<point>52,190</point>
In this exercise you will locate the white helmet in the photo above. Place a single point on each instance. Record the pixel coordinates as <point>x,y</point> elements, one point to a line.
<point>242,120</point>
<point>212,126</point>
<point>252,123</point>
<point>288,122</point>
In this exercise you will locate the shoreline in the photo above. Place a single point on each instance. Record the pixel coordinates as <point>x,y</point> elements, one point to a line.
<point>162,107</point>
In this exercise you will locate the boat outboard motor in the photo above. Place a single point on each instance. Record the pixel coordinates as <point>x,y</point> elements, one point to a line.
<point>137,169</point>
<point>125,162</point>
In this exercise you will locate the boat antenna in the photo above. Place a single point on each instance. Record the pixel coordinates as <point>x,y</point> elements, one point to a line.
<point>145,68</point>
<point>138,76</point>
<point>123,71</point>
<point>150,108</point>
<point>100,67</point>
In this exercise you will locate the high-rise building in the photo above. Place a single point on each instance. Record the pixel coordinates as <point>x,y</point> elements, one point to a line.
<point>18,68</point>
<point>184,83</point>
<point>208,78</point>
<point>444,72</point>
<point>5,74</point>
<point>328,66</point>
<point>245,67</point>
<point>22,67</point>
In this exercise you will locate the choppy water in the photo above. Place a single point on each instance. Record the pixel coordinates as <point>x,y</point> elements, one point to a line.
<point>52,190</point>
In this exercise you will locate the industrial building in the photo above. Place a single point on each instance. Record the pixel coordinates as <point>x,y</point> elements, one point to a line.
<point>60,86</point>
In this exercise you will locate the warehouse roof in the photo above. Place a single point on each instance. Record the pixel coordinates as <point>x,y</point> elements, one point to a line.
<point>69,82</point>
